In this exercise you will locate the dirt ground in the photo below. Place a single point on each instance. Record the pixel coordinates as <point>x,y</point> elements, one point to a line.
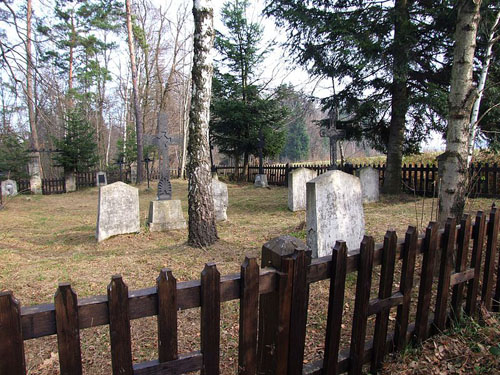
<point>45,240</point>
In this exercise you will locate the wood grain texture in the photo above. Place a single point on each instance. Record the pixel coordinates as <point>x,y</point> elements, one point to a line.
<point>12,360</point>
<point>477,250</point>
<point>167,316</point>
<point>210,319</point>
<point>489,261</point>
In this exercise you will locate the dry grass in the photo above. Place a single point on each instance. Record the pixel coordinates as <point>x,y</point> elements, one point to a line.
<point>45,240</point>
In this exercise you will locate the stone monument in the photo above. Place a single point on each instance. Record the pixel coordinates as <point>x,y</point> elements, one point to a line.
<point>164,213</point>
<point>334,212</point>
<point>34,172</point>
<point>9,188</point>
<point>133,172</point>
<point>261,180</point>
<point>221,198</point>
<point>369,178</point>
<point>333,134</point>
<point>101,179</point>
<point>118,210</point>
<point>297,180</point>
<point>70,181</point>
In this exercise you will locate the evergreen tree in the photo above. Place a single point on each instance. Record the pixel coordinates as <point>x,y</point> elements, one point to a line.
<point>13,156</point>
<point>297,141</point>
<point>77,149</point>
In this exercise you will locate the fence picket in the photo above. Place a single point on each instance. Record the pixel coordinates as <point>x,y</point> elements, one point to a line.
<point>12,360</point>
<point>167,316</point>
<point>68,333</point>
<point>427,274</point>
<point>119,327</point>
<point>463,238</point>
<point>477,249</point>
<point>489,262</point>
<point>249,308</point>
<point>362,299</point>
<point>210,319</point>
<point>335,308</point>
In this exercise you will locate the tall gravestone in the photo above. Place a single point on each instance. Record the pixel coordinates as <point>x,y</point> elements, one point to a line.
<point>221,198</point>
<point>34,172</point>
<point>164,213</point>
<point>118,210</point>
<point>369,178</point>
<point>334,212</point>
<point>297,180</point>
<point>9,188</point>
<point>70,181</point>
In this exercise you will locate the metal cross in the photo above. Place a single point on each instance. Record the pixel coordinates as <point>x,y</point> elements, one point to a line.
<point>162,140</point>
<point>334,135</point>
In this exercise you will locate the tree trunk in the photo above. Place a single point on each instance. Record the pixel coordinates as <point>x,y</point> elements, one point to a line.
<point>35,145</point>
<point>399,101</point>
<point>135,89</point>
<point>453,162</point>
<point>202,228</point>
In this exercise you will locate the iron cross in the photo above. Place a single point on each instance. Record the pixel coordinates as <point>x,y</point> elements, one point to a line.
<point>334,135</point>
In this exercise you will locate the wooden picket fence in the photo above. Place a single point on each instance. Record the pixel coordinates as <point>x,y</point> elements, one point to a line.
<point>274,304</point>
<point>53,186</point>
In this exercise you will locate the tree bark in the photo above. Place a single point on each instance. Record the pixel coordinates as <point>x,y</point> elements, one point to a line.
<point>202,228</point>
<point>399,101</point>
<point>135,90</point>
<point>453,162</point>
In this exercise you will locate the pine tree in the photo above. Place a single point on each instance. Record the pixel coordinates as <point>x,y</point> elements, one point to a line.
<point>13,156</point>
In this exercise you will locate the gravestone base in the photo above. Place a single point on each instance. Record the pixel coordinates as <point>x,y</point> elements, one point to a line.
<point>261,181</point>
<point>165,215</point>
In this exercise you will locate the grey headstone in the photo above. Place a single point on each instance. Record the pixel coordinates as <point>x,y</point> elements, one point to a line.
<point>297,180</point>
<point>221,199</point>
<point>34,172</point>
<point>70,181</point>
<point>118,210</point>
<point>9,188</point>
<point>261,180</point>
<point>133,172</point>
<point>165,215</point>
<point>334,212</point>
<point>101,179</point>
<point>369,178</point>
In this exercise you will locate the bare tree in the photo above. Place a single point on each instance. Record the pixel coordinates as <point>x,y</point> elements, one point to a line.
<point>202,227</point>
<point>453,162</point>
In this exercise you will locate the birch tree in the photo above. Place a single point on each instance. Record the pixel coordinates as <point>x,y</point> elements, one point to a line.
<point>202,228</point>
<point>453,162</point>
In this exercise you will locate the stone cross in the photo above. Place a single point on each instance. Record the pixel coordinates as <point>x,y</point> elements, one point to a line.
<point>162,140</point>
<point>334,134</point>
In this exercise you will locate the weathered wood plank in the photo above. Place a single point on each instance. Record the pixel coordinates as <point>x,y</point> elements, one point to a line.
<point>406,286</point>
<point>210,319</point>
<point>12,360</point>
<point>119,327</point>
<point>385,291</point>
<point>249,312</point>
<point>477,250</point>
<point>167,316</point>
<point>489,262</point>
<point>183,364</point>
<point>68,334</point>
<point>335,308</point>
<point>362,299</point>
<point>284,310</point>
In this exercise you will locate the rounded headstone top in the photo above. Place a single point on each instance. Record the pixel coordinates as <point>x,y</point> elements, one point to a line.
<point>284,245</point>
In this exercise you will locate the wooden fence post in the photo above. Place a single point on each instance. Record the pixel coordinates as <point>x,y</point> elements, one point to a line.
<point>489,262</point>
<point>210,319</point>
<point>477,249</point>
<point>12,360</point>
<point>167,316</point>
<point>283,254</point>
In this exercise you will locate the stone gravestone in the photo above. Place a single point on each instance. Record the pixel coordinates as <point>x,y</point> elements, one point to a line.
<point>369,178</point>
<point>164,213</point>
<point>133,172</point>
<point>34,172</point>
<point>297,180</point>
<point>118,210</point>
<point>221,198</point>
<point>261,180</point>
<point>70,181</point>
<point>334,212</point>
<point>9,188</point>
<point>101,179</point>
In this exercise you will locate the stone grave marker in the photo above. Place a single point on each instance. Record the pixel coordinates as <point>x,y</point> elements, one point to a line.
<point>334,212</point>
<point>101,179</point>
<point>221,198</point>
<point>9,188</point>
<point>34,172</point>
<point>369,178</point>
<point>117,211</point>
<point>297,180</point>
<point>70,181</point>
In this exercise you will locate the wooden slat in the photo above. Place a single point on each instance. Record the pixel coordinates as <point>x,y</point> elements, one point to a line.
<point>298,313</point>
<point>12,360</point>
<point>462,277</point>
<point>385,291</point>
<point>249,310</point>
<point>378,305</point>
<point>457,297</point>
<point>184,364</point>
<point>68,333</point>
<point>284,302</point>
<point>119,327</point>
<point>210,319</point>
<point>335,308</point>
<point>427,274</point>
<point>477,250</point>
<point>362,299</point>
<point>167,316</point>
<point>405,287</point>
<point>447,250</point>
<point>489,262</point>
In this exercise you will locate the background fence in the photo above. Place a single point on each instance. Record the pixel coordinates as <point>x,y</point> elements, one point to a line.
<point>274,304</point>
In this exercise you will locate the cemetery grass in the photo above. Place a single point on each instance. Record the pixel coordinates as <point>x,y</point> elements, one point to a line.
<point>45,240</point>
